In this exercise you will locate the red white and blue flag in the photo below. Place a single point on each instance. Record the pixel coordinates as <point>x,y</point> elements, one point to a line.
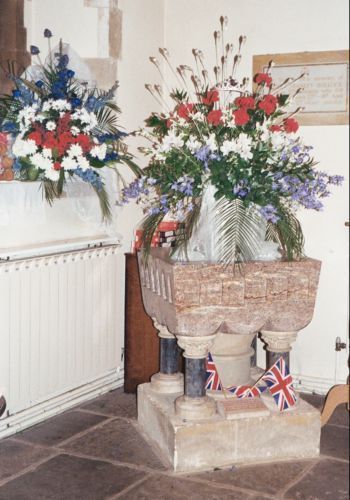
<point>280,384</point>
<point>213,381</point>
<point>246,391</point>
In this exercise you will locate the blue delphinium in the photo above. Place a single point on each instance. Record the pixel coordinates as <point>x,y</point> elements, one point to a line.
<point>241,189</point>
<point>269,212</point>
<point>90,176</point>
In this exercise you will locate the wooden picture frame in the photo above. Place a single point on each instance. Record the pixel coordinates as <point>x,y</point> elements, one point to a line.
<point>326,86</point>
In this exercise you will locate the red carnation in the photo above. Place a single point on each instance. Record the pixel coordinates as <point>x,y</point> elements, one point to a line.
<point>268,104</point>
<point>84,141</point>
<point>57,165</point>
<point>184,110</point>
<point>276,128</point>
<point>245,102</point>
<point>210,97</point>
<point>241,116</point>
<point>214,117</point>
<point>36,137</point>
<point>290,125</point>
<point>263,78</point>
<point>64,141</point>
<point>63,123</point>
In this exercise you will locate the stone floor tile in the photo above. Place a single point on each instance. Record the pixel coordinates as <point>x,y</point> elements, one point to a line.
<point>328,479</point>
<point>116,403</point>
<point>117,440</point>
<point>171,488</point>
<point>264,478</point>
<point>335,441</point>
<point>15,456</point>
<point>61,427</point>
<point>65,477</point>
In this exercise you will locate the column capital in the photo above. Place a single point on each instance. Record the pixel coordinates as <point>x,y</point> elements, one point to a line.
<point>195,347</point>
<point>163,332</point>
<point>279,341</point>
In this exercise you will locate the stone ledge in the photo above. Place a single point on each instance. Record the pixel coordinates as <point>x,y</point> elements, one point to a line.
<point>217,442</point>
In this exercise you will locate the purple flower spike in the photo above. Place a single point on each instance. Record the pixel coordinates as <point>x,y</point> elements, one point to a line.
<point>47,33</point>
<point>34,50</point>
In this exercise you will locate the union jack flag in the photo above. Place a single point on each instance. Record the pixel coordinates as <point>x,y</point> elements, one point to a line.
<point>213,381</point>
<point>280,384</point>
<point>245,391</point>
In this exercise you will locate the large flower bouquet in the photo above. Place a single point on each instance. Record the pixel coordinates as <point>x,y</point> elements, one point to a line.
<point>62,129</point>
<point>242,144</point>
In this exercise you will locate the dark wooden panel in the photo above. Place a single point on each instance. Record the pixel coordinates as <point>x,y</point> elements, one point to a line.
<point>141,339</point>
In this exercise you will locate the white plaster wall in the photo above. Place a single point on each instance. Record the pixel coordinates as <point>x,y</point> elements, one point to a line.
<point>277,26</point>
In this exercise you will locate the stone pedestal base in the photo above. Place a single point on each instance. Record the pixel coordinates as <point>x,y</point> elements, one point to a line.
<point>168,383</point>
<point>195,408</point>
<point>217,442</point>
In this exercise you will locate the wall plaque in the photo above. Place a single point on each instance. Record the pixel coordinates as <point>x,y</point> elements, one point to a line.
<point>325,97</point>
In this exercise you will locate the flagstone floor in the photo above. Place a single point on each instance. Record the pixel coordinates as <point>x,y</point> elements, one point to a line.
<point>96,451</point>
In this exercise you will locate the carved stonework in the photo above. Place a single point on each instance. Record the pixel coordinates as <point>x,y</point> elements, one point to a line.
<point>163,332</point>
<point>195,347</point>
<point>279,341</point>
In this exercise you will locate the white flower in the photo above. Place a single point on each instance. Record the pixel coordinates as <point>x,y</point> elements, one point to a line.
<point>24,147</point>
<point>26,116</point>
<point>41,162</point>
<point>228,147</point>
<point>200,117</point>
<point>89,119</point>
<point>57,105</point>
<point>193,144</point>
<point>278,140</point>
<point>50,125</point>
<point>75,150</point>
<point>74,130</point>
<point>83,163</point>
<point>264,132</point>
<point>52,174</point>
<point>69,163</point>
<point>170,141</point>
<point>99,151</point>
<point>47,153</point>
<point>211,142</point>
<point>244,141</point>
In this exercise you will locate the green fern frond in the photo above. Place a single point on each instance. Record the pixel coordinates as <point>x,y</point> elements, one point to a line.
<point>287,232</point>
<point>104,202</point>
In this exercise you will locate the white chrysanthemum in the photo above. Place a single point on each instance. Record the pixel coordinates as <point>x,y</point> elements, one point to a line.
<point>24,147</point>
<point>69,163</point>
<point>75,151</point>
<point>99,151</point>
<point>228,147</point>
<point>193,144</point>
<point>279,140</point>
<point>264,131</point>
<point>170,141</point>
<point>47,153</point>
<point>89,119</point>
<point>74,130</point>
<point>41,162</point>
<point>83,163</point>
<point>50,125</point>
<point>52,174</point>
<point>211,142</point>
<point>26,116</point>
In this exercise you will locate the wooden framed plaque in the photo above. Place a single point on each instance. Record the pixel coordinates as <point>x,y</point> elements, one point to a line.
<point>325,95</point>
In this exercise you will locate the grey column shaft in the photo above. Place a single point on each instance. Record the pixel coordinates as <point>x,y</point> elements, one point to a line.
<point>169,356</point>
<point>272,357</point>
<point>195,377</point>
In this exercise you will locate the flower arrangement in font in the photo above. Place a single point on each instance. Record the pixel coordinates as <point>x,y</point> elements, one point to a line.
<point>244,144</point>
<point>62,129</point>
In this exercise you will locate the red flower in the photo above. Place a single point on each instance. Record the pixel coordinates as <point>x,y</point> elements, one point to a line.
<point>57,165</point>
<point>245,102</point>
<point>210,97</point>
<point>268,104</point>
<point>64,141</point>
<point>263,78</point>
<point>63,123</point>
<point>214,117</point>
<point>241,116</point>
<point>290,125</point>
<point>184,110</point>
<point>50,141</point>
<point>36,137</point>
<point>84,141</point>
<point>275,128</point>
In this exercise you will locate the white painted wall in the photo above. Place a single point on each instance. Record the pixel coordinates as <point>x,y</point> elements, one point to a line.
<point>277,26</point>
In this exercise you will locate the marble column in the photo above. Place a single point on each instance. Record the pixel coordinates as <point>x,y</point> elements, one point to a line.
<point>194,404</point>
<point>278,344</point>
<point>168,379</point>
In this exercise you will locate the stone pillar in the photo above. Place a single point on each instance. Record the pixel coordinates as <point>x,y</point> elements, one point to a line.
<point>195,405</point>
<point>168,379</point>
<point>278,344</point>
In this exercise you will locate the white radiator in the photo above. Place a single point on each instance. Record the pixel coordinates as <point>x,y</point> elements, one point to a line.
<point>59,339</point>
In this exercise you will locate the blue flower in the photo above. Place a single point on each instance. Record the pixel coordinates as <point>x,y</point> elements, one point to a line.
<point>269,212</point>
<point>39,84</point>
<point>9,127</point>
<point>241,189</point>
<point>91,103</point>
<point>75,102</point>
<point>70,73</point>
<point>16,93</point>
<point>34,50</point>
<point>47,33</point>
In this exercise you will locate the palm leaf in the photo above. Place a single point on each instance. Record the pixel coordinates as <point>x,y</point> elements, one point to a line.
<point>287,232</point>
<point>149,226</point>
<point>104,202</point>
<point>188,227</point>
<point>238,231</point>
